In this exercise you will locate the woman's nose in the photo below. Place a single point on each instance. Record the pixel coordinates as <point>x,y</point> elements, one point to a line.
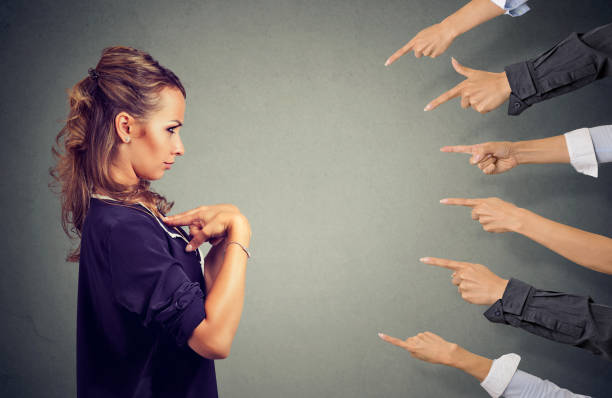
<point>179,149</point>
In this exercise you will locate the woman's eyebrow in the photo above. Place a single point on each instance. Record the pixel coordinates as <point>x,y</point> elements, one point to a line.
<point>176,121</point>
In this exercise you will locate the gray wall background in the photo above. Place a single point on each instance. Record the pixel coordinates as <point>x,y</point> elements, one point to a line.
<point>292,116</point>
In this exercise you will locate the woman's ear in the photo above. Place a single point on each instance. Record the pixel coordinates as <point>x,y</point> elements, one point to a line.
<point>123,122</point>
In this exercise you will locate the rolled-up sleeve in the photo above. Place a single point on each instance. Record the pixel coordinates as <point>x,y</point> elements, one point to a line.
<point>514,8</point>
<point>573,63</point>
<point>581,151</point>
<point>148,281</point>
<point>561,317</point>
<point>525,385</point>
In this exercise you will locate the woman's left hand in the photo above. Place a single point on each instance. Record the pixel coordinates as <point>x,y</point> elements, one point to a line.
<point>494,214</point>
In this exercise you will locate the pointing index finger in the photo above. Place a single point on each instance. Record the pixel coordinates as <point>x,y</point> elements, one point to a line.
<point>458,148</point>
<point>450,94</point>
<point>460,202</point>
<point>185,218</point>
<point>442,262</point>
<point>399,53</point>
<point>392,340</point>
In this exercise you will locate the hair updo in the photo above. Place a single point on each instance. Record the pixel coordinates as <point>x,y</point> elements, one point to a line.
<point>124,80</point>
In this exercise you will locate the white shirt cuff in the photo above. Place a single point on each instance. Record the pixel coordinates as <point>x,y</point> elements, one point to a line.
<point>500,374</point>
<point>581,151</point>
<point>515,8</point>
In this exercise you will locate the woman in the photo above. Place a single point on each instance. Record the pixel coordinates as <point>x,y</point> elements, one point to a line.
<point>152,314</point>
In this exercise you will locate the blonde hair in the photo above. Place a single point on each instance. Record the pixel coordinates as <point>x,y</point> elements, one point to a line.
<point>124,80</point>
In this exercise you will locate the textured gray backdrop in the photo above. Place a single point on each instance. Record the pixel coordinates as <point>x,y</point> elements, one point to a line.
<point>292,116</point>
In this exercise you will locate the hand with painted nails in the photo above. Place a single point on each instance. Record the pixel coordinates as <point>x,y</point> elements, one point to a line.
<point>475,282</point>
<point>483,91</point>
<point>427,346</point>
<point>213,224</point>
<point>494,214</point>
<point>490,157</point>
<point>430,42</point>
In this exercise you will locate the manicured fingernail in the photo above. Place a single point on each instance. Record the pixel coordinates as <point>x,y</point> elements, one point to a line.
<point>387,63</point>
<point>424,259</point>
<point>427,108</point>
<point>381,335</point>
<point>477,158</point>
<point>443,200</point>
<point>188,248</point>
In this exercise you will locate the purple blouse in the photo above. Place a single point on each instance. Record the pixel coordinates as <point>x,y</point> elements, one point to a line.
<point>140,297</point>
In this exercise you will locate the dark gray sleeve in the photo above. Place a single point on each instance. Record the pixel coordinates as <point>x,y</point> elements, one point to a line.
<point>573,63</point>
<point>561,317</point>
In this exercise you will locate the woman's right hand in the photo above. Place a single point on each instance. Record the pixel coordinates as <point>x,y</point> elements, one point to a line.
<point>213,224</point>
<point>427,346</point>
<point>490,157</point>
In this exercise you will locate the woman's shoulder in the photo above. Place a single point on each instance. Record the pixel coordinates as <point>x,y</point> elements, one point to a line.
<point>110,214</point>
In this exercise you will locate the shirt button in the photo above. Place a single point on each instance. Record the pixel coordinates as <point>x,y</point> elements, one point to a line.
<point>497,313</point>
<point>517,105</point>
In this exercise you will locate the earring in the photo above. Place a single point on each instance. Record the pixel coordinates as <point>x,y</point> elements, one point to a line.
<point>127,139</point>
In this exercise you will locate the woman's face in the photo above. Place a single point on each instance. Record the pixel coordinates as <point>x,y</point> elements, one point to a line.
<point>155,143</point>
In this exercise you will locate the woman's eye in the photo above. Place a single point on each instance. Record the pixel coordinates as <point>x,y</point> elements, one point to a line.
<point>171,129</point>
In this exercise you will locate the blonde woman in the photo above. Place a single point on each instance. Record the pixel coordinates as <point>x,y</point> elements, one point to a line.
<point>152,312</point>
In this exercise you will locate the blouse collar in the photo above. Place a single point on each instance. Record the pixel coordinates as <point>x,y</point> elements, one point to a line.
<point>170,233</point>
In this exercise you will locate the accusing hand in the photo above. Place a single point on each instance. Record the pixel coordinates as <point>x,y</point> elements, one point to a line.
<point>483,91</point>
<point>427,346</point>
<point>490,157</point>
<point>494,214</point>
<point>475,282</point>
<point>430,42</point>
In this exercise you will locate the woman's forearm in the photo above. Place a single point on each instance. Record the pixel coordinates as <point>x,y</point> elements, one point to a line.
<point>213,337</point>
<point>471,363</point>
<point>225,300</point>
<point>546,150</point>
<point>584,248</point>
<point>471,15</point>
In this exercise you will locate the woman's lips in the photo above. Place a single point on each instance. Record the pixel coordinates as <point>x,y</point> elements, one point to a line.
<point>168,165</point>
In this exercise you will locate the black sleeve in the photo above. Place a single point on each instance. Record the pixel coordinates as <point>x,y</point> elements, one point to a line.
<point>571,64</point>
<point>148,281</point>
<point>561,317</point>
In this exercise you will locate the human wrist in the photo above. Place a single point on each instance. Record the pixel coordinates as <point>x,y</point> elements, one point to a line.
<point>239,230</point>
<point>450,28</point>
<point>457,357</point>
<point>518,148</point>
<point>522,217</point>
<point>500,289</point>
<point>473,364</point>
<point>504,84</point>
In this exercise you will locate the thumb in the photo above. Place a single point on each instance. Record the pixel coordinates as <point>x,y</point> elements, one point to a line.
<point>479,153</point>
<point>495,149</point>
<point>462,70</point>
<point>195,242</point>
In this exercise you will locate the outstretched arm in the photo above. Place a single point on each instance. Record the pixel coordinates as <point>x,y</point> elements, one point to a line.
<point>434,40</point>
<point>584,248</point>
<point>499,377</point>
<point>574,62</point>
<point>561,317</point>
<point>584,148</point>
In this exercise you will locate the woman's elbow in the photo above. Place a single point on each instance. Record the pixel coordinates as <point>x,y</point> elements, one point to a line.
<point>211,347</point>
